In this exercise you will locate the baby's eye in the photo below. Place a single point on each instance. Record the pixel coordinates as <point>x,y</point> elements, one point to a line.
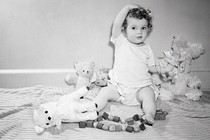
<point>133,28</point>
<point>144,28</point>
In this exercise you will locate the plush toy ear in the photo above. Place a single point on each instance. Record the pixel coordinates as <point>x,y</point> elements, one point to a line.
<point>94,78</point>
<point>92,64</point>
<point>36,103</point>
<point>75,64</point>
<point>38,129</point>
<point>58,121</point>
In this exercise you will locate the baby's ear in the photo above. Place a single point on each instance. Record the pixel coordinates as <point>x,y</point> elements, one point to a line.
<point>36,103</point>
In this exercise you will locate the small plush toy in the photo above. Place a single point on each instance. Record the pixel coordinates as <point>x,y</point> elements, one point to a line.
<point>182,81</point>
<point>68,108</point>
<point>167,66</point>
<point>84,73</point>
<point>100,81</point>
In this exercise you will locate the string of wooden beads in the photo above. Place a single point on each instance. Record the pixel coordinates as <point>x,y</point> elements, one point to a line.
<point>124,125</point>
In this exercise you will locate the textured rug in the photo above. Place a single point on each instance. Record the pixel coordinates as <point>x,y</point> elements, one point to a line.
<point>186,119</point>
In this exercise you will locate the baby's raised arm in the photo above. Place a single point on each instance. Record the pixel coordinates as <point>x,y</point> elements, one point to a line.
<point>119,19</point>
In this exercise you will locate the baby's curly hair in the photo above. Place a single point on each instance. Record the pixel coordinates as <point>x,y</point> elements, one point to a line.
<point>139,13</point>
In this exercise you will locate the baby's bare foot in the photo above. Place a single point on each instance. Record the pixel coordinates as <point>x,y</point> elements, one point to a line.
<point>148,118</point>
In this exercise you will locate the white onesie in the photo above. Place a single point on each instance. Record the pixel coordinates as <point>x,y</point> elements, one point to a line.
<point>130,71</point>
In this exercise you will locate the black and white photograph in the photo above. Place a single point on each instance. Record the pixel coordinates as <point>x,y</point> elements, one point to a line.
<point>104,69</point>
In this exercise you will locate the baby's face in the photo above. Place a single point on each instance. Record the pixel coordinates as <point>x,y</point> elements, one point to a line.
<point>137,30</point>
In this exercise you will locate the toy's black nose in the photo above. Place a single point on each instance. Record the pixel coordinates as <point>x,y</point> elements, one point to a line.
<point>49,118</point>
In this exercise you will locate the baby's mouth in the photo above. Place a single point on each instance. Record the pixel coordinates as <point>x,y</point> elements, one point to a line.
<point>139,37</point>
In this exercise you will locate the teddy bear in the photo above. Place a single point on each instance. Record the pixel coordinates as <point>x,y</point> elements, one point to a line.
<point>84,72</point>
<point>99,82</point>
<point>181,81</point>
<point>68,108</point>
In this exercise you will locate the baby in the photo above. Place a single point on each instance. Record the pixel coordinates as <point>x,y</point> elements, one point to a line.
<point>130,81</point>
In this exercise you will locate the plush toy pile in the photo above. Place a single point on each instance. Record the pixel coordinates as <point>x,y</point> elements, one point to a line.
<point>175,76</point>
<point>86,74</point>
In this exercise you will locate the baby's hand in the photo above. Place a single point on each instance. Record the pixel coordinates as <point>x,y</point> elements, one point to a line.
<point>132,6</point>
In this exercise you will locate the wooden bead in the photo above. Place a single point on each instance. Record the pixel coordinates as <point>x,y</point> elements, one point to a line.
<point>95,124</point>
<point>159,110</point>
<point>111,127</point>
<point>100,118</point>
<point>129,129</point>
<point>124,127</point>
<point>89,123</point>
<point>130,121</point>
<point>105,115</point>
<point>160,115</point>
<point>118,128</point>
<point>116,119</point>
<point>82,124</point>
<point>142,127</point>
<point>105,127</point>
<point>122,121</point>
<point>110,117</point>
<point>99,125</point>
<point>136,117</point>
<point>136,129</point>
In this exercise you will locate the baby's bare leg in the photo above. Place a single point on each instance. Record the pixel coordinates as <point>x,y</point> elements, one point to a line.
<point>106,94</point>
<point>146,96</point>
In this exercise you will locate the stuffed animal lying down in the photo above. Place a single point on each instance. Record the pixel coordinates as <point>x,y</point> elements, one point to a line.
<point>67,109</point>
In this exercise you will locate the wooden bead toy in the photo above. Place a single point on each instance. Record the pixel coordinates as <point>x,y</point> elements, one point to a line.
<point>124,127</point>
<point>116,119</point>
<point>105,115</point>
<point>100,118</point>
<point>89,123</point>
<point>95,124</point>
<point>130,121</point>
<point>142,127</point>
<point>111,127</point>
<point>136,117</point>
<point>122,121</point>
<point>124,124</point>
<point>137,129</point>
<point>99,125</point>
<point>82,124</point>
<point>129,129</point>
<point>160,114</point>
<point>110,117</point>
<point>118,128</point>
<point>105,127</point>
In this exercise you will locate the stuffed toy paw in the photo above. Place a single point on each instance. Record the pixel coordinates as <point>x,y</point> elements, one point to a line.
<point>68,108</point>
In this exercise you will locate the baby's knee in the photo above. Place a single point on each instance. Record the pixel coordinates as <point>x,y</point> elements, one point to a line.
<point>146,92</point>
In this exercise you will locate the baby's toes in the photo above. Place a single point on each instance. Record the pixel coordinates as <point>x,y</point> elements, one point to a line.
<point>148,119</point>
